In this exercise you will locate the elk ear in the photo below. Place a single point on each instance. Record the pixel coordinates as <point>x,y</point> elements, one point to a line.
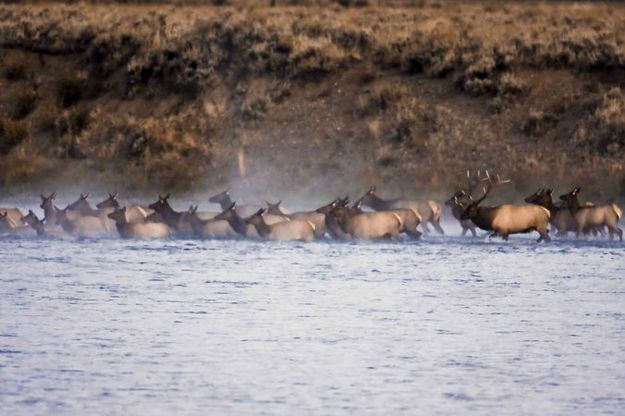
<point>549,191</point>
<point>85,196</point>
<point>30,211</point>
<point>260,211</point>
<point>231,207</point>
<point>575,191</point>
<point>371,190</point>
<point>53,195</point>
<point>167,197</point>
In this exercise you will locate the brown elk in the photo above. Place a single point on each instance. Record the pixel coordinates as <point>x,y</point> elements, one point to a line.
<point>410,219</point>
<point>588,218</point>
<point>237,223</point>
<point>42,227</point>
<point>210,228</point>
<point>332,226</point>
<point>507,219</point>
<point>224,200</point>
<point>460,200</point>
<point>561,218</point>
<point>80,226</point>
<point>430,211</point>
<point>315,217</point>
<point>47,205</point>
<point>367,225</point>
<point>14,215</point>
<point>82,207</point>
<point>283,231</point>
<point>137,230</point>
<point>134,214</point>
<point>170,217</point>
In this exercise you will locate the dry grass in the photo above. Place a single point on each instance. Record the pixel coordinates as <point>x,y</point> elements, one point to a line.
<point>425,90</point>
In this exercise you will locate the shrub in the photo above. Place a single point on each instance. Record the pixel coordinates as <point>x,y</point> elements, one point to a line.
<point>14,71</point>
<point>12,133</point>
<point>69,90</point>
<point>24,102</point>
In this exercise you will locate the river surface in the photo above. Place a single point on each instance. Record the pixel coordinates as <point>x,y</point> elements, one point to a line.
<point>443,326</point>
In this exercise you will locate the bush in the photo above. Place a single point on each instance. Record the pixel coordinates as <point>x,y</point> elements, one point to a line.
<point>12,133</point>
<point>69,90</point>
<point>14,71</point>
<point>24,103</point>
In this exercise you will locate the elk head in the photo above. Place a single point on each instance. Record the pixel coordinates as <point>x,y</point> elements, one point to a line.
<point>472,209</point>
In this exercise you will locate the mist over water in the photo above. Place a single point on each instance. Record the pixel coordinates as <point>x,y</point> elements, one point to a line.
<point>443,326</point>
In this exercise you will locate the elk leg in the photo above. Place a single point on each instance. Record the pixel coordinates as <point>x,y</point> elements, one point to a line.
<point>493,234</point>
<point>505,237</point>
<point>415,235</point>
<point>437,226</point>
<point>425,227</point>
<point>473,232</point>
<point>464,231</point>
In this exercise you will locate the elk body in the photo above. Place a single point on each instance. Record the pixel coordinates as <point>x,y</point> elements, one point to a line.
<point>283,231</point>
<point>134,214</point>
<point>43,228</point>
<point>172,218</point>
<point>331,222</point>
<point>410,219</point>
<point>14,215</point>
<point>82,208</point>
<point>224,200</point>
<point>430,211</point>
<point>210,228</point>
<point>8,226</point>
<point>80,226</point>
<point>507,219</point>
<point>367,225</point>
<point>561,218</point>
<point>141,230</point>
<point>457,206</point>
<point>237,223</point>
<point>318,219</point>
<point>588,218</point>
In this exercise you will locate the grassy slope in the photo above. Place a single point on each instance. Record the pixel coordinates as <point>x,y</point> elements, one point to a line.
<point>312,99</point>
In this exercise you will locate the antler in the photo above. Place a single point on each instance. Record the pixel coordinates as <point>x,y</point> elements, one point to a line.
<point>491,183</point>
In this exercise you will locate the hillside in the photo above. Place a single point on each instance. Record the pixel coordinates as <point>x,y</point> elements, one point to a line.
<point>312,99</point>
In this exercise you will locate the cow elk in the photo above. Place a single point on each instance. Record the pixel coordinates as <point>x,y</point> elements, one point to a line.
<point>141,230</point>
<point>429,211</point>
<point>588,218</point>
<point>302,230</point>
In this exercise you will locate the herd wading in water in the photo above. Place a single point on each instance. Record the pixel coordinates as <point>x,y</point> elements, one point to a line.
<point>384,219</point>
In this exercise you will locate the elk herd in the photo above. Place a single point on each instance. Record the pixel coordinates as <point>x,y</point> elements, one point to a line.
<point>369,218</point>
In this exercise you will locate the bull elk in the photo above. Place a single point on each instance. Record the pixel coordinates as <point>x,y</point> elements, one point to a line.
<point>507,219</point>
<point>302,230</point>
<point>141,230</point>
<point>588,218</point>
<point>430,211</point>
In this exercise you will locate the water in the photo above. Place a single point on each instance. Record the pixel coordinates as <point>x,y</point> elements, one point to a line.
<point>447,326</point>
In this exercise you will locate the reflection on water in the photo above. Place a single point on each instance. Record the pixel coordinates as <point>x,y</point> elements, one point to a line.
<point>448,326</point>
